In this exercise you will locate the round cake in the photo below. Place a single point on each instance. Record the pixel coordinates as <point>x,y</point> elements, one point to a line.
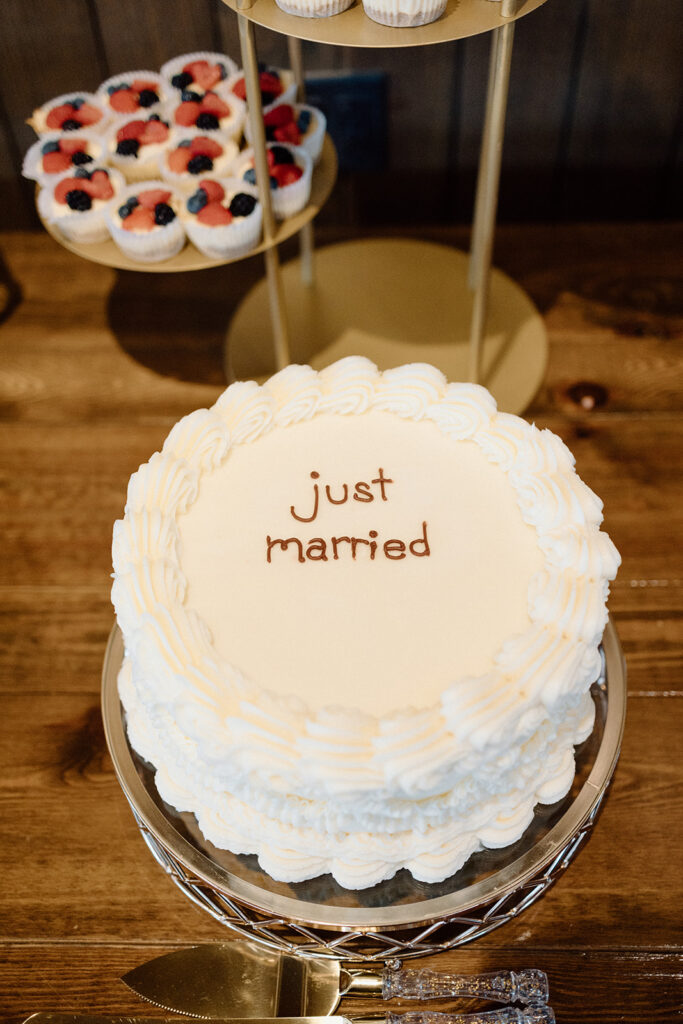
<point>362,614</point>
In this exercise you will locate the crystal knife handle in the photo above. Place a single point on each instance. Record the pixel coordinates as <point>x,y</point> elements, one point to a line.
<point>540,1014</point>
<point>528,986</point>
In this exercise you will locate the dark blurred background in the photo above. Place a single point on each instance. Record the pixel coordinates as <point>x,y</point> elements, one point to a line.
<point>593,125</point>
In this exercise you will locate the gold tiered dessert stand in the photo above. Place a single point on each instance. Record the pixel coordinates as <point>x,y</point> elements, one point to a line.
<point>397,301</point>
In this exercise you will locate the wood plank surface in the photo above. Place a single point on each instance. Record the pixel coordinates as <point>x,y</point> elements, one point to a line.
<point>95,367</point>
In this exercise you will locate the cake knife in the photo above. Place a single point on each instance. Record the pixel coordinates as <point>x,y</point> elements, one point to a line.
<point>540,1014</point>
<point>216,980</point>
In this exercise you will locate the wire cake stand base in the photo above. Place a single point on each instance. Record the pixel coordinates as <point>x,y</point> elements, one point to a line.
<point>398,918</point>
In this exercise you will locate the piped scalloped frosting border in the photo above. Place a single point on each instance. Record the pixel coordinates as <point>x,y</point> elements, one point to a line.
<point>423,789</point>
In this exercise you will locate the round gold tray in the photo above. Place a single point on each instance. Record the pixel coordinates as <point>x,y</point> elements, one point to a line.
<point>462,18</point>
<point>189,258</point>
<point>400,917</point>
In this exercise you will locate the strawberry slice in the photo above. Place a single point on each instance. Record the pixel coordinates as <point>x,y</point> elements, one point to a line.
<point>240,89</point>
<point>270,83</point>
<point>139,219</point>
<point>281,114</point>
<point>151,196</point>
<point>154,131</point>
<point>131,130</point>
<point>124,101</point>
<point>58,115</point>
<point>201,146</point>
<point>87,114</point>
<point>204,74</point>
<point>178,159</point>
<point>214,215</point>
<point>288,133</point>
<point>286,174</point>
<point>214,191</point>
<point>187,113</point>
<point>55,162</point>
<point>72,145</point>
<point>99,185</point>
<point>138,84</point>
<point>66,185</point>
<point>213,104</point>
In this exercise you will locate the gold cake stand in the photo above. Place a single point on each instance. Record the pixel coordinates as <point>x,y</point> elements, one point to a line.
<point>400,917</point>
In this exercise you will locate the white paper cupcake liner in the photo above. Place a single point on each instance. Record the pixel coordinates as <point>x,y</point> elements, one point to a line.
<point>85,228</point>
<point>292,198</point>
<point>404,13</point>
<point>150,246</point>
<point>187,182</point>
<point>313,140</point>
<point>162,90</point>
<point>289,87</point>
<point>313,8</point>
<point>38,120</point>
<point>145,165</point>
<point>32,165</point>
<point>228,240</point>
<point>176,64</point>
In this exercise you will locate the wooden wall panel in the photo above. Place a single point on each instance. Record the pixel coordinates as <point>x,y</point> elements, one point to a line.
<point>143,36</point>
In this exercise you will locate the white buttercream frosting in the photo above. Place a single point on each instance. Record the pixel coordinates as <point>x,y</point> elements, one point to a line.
<point>360,713</point>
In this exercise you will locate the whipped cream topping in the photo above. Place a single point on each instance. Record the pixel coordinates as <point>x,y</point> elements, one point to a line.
<point>378,782</point>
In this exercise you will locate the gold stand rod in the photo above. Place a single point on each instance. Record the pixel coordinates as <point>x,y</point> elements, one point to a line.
<point>276,296</point>
<point>486,201</point>
<point>306,245</point>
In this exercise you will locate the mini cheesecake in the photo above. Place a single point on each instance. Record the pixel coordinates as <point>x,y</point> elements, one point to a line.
<point>223,217</point>
<point>198,72</point>
<point>144,221</point>
<point>210,113</point>
<point>277,86</point>
<point>134,92</point>
<point>297,124</point>
<point>70,112</point>
<point>290,169</point>
<point>55,153</point>
<point>192,155</point>
<point>134,146</point>
<point>77,202</point>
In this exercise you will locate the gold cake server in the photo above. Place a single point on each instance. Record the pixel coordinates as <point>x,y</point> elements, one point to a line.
<point>219,979</point>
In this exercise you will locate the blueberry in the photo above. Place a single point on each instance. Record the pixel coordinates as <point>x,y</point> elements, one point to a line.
<point>281,155</point>
<point>187,96</point>
<point>197,201</point>
<point>241,205</point>
<point>163,214</point>
<point>250,176</point>
<point>273,182</point>
<point>128,147</point>
<point>79,200</point>
<point>304,120</point>
<point>147,98</point>
<point>199,163</point>
<point>116,88</point>
<point>223,70</point>
<point>81,172</point>
<point>49,147</point>
<point>267,97</point>
<point>71,125</point>
<point>182,80</point>
<point>207,122</point>
<point>270,133</point>
<point>128,207</point>
<point>81,158</point>
<point>185,144</point>
<point>77,103</point>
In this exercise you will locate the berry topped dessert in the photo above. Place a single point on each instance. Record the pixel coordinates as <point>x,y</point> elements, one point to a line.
<point>298,124</point>
<point>133,91</point>
<point>198,72</point>
<point>69,113</point>
<point>77,200</point>
<point>144,222</point>
<point>290,169</point>
<point>210,113</point>
<point>276,84</point>
<point>223,217</point>
<point>192,154</point>
<point>55,153</point>
<point>135,146</point>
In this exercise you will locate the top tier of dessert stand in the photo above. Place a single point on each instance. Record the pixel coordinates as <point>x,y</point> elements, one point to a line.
<point>396,301</point>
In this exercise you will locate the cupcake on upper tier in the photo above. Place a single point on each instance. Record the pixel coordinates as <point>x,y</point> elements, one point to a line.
<point>277,86</point>
<point>197,72</point>
<point>134,146</point>
<point>134,92</point>
<point>70,112</point>
<point>313,8</point>
<point>76,202</point>
<point>404,13</point>
<point>144,221</point>
<point>192,155</point>
<point>223,217</point>
<point>55,153</point>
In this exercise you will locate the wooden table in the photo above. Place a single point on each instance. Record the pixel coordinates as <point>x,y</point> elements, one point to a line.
<point>95,368</point>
